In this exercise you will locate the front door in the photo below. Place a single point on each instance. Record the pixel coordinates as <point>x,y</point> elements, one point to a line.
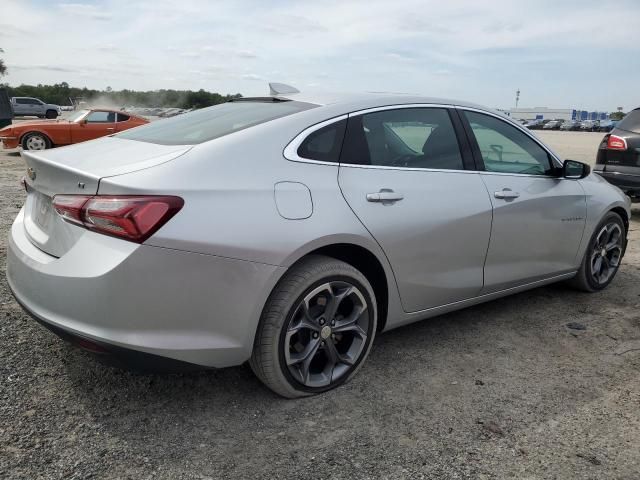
<point>97,123</point>
<point>538,217</point>
<point>402,173</point>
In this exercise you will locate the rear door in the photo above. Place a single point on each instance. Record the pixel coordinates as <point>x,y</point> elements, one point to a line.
<point>538,217</point>
<point>21,106</point>
<point>404,175</point>
<point>96,124</point>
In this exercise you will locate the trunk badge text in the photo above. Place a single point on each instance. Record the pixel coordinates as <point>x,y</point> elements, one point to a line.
<point>31,173</point>
<point>80,185</point>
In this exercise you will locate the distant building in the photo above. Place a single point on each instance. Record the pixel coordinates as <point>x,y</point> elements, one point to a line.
<point>544,113</point>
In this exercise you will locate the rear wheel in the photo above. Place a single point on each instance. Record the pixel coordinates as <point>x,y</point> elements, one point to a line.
<point>604,253</point>
<point>316,329</point>
<point>35,141</point>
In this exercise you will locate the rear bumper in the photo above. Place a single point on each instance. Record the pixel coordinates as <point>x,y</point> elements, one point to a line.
<point>117,356</point>
<point>198,309</point>
<point>628,183</point>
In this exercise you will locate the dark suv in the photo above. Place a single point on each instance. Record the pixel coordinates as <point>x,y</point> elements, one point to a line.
<point>619,155</point>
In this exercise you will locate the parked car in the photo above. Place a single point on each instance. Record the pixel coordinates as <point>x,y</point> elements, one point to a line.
<point>534,124</point>
<point>34,107</point>
<point>607,125</point>
<point>618,158</point>
<point>590,126</point>
<point>553,125</point>
<point>570,125</point>
<point>82,126</point>
<point>289,230</point>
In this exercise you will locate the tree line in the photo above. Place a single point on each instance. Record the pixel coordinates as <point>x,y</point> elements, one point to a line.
<point>60,94</point>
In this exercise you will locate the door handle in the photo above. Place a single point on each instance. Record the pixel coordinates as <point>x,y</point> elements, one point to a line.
<point>110,128</point>
<point>385,195</point>
<point>506,194</point>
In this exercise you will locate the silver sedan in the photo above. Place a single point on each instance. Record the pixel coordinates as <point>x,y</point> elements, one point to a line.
<point>289,230</point>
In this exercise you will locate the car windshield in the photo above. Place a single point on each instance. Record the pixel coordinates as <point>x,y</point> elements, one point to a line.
<point>78,115</point>
<point>213,122</point>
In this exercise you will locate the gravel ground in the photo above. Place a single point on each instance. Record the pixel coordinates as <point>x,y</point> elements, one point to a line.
<point>501,390</point>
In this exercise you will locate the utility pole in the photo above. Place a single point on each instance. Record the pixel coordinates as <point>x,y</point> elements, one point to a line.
<point>517,97</point>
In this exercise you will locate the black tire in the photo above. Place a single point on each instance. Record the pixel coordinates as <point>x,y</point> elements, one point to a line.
<point>51,114</point>
<point>587,279</point>
<point>43,140</point>
<point>274,342</point>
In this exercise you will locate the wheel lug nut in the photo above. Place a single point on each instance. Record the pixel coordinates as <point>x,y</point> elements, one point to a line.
<point>321,321</point>
<point>333,322</point>
<point>315,334</point>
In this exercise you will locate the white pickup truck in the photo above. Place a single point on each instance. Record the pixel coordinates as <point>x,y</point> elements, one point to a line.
<point>28,106</point>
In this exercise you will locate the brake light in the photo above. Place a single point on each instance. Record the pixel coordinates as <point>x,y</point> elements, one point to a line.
<point>129,217</point>
<point>616,143</point>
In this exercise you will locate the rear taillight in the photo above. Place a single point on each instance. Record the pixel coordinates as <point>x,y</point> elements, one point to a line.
<point>129,217</point>
<point>616,143</point>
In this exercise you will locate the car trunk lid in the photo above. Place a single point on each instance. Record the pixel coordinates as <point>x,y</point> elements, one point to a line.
<point>78,170</point>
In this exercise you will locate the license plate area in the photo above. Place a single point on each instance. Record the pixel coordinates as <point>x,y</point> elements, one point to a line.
<point>42,212</point>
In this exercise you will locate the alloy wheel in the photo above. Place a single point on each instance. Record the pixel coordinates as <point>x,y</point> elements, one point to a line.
<point>606,253</point>
<point>327,334</point>
<point>36,142</point>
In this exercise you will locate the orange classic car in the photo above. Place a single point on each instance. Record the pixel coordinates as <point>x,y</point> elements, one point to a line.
<point>81,126</point>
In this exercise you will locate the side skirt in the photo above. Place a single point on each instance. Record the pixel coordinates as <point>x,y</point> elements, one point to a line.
<point>450,307</point>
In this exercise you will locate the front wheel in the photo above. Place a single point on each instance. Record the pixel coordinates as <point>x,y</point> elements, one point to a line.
<point>35,141</point>
<point>316,329</point>
<point>51,114</point>
<point>603,256</point>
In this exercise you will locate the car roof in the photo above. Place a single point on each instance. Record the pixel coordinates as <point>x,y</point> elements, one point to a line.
<point>370,99</point>
<point>339,103</point>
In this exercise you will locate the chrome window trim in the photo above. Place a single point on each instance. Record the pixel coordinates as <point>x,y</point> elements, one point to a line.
<point>400,107</point>
<point>526,132</point>
<point>385,167</point>
<point>291,150</point>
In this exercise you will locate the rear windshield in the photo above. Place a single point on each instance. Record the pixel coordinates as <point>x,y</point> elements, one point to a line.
<point>213,122</point>
<point>630,123</point>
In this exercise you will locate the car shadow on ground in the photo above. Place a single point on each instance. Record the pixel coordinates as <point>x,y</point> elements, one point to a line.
<point>394,359</point>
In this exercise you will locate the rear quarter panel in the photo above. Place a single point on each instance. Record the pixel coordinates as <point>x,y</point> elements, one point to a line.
<point>230,209</point>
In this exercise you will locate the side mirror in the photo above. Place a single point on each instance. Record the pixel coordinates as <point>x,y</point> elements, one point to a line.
<point>575,170</point>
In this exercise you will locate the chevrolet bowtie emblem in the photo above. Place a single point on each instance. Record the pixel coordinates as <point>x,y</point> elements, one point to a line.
<point>31,173</point>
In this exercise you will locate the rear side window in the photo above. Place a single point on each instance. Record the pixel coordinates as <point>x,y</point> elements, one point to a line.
<point>631,123</point>
<point>122,117</point>
<point>209,123</point>
<point>406,137</point>
<point>101,117</point>
<point>324,144</point>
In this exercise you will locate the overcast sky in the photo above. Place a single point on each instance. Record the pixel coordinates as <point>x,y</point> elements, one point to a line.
<point>579,54</point>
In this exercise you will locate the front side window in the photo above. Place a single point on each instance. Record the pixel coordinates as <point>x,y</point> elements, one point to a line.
<point>505,149</point>
<point>406,137</point>
<point>101,117</point>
